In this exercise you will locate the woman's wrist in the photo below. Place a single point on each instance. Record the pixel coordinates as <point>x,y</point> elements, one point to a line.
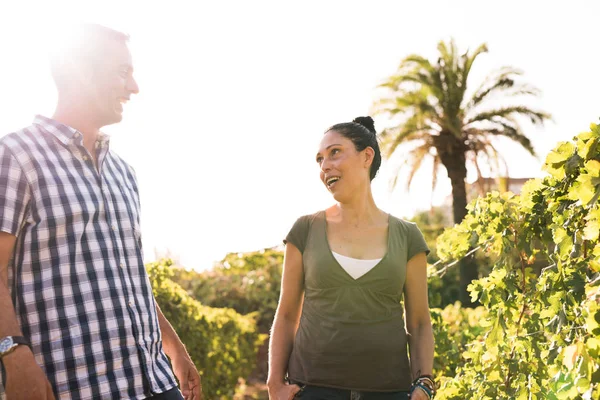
<point>426,384</point>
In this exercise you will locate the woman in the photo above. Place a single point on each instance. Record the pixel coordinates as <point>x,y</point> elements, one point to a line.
<point>340,330</point>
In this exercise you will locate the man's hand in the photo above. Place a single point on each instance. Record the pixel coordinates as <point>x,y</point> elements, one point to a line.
<point>187,375</point>
<point>25,380</point>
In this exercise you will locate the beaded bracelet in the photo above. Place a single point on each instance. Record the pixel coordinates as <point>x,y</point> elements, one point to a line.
<point>425,383</point>
<point>428,382</point>
<point>423,388</point>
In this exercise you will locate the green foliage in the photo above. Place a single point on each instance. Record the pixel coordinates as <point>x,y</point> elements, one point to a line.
<point>453,329</point>
<point>222,343</point>
<point>247,282</point>
<point>542,331</point>
<point>443,288</point>
<point>432,224</point>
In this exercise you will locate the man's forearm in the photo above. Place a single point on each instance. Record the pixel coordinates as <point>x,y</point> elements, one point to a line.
<point>8,319</point>
<point>171,343</point>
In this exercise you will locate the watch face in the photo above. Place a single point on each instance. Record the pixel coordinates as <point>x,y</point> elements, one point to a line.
<point>6,344</point>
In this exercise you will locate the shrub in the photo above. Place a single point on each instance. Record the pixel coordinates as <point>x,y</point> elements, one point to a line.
<point>454,328</point>
<point>222,343</point>
<point>542,330</point>
<point>247,282</point>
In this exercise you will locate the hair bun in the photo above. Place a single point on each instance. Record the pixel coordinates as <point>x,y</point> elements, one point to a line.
<point>367,122</point>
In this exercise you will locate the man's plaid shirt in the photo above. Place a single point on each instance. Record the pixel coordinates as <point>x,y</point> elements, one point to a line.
<point>77,278</point>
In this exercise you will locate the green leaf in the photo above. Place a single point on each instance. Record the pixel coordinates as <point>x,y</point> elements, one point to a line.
<point>564,241</point>
<point>593,322</point>
<point>591,231</point>
<point>588,149</point>
<point>593,167</point>
<point>561,153</point>
<point>496,207</point>
<point>584,189</point>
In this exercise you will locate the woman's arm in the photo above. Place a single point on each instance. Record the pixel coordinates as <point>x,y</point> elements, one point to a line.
<point>418,319</point>
<point>286,322</point>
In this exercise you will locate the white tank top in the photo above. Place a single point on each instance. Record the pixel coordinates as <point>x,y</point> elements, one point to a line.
<point>355,267</point>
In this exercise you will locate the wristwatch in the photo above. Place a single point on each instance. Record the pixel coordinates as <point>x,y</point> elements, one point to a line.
<point>9,343</point>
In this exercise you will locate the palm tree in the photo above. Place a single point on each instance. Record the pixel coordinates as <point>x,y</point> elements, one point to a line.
<point>450,126</point>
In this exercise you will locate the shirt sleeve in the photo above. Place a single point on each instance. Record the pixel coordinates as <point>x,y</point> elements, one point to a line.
<point>298,234</point>
<point>15,193</point>
<point>416,242</point>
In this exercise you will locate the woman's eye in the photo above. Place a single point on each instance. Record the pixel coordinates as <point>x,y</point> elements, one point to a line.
<point>319,160</point>
<point>335,151</point>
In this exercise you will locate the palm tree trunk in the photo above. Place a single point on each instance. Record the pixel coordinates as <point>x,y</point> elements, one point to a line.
<point>468,266</point>
<point>459,193</point>
<point>452,154</point>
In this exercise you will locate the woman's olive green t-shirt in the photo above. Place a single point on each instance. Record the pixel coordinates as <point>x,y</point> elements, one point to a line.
<point>352,333</point>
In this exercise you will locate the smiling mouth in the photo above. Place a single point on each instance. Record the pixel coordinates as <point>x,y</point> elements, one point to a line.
<point>330,182</point>
<point>121,102</point>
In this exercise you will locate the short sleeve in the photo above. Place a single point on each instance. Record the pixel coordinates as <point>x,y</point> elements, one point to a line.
<point>298,234</point>
<point>416,242</point>
<point>14,193</point>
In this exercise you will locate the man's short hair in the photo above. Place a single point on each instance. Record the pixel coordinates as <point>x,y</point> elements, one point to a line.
<point>83,44</point>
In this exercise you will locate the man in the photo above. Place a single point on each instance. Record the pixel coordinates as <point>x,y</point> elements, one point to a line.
<point>77,316</point>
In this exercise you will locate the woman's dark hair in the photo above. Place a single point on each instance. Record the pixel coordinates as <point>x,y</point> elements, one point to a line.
<point>362,133</point>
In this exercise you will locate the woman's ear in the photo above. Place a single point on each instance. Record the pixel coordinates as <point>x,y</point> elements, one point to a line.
<point>369,155</point>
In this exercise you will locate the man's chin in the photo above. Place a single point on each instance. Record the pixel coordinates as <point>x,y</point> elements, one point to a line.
<point>113,118</point>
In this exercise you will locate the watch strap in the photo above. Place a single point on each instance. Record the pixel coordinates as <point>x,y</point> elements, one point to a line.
<point>21,340</point>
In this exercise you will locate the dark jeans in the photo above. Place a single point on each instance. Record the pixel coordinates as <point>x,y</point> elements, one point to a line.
<point>310,392</point>
<point>173,394</point>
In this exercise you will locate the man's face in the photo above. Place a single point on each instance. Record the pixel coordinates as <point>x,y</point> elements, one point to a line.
<point>111,83</point>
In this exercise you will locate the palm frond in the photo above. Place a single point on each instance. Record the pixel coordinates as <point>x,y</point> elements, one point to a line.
<point>415,60</point>
<point>501,82</point>
<point>469,60</point>
<point>536,117</point>
<point>416,160</point>
<point>437,161</point>
<point>479,174</point>
<point>483,145</point>
<point>506,128</point>
<point>390,142</point>
<point>418,78</point>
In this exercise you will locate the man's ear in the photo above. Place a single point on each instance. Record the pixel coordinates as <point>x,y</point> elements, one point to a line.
<point>78,72</point>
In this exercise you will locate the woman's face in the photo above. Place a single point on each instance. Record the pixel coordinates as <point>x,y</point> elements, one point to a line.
<point>343,169</point>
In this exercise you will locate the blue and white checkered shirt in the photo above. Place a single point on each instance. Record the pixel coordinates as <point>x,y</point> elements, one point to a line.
<point>77,278</point>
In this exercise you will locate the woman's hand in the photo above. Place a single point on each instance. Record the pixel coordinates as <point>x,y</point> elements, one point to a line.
<point>418,394</point>
<point>283,391</point>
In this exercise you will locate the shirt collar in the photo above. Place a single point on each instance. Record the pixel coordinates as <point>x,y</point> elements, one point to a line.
<point>64,133</point>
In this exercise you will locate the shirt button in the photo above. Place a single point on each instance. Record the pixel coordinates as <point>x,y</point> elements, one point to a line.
<point>85,158</point>
<point>113,227</point>
<point>122,265</point>
<point>130,304</point>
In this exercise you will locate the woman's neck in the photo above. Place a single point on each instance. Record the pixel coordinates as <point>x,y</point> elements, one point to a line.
<point>362,210</point>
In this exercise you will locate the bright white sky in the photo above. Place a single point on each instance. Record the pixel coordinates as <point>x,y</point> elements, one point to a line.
<point>235,96</point>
